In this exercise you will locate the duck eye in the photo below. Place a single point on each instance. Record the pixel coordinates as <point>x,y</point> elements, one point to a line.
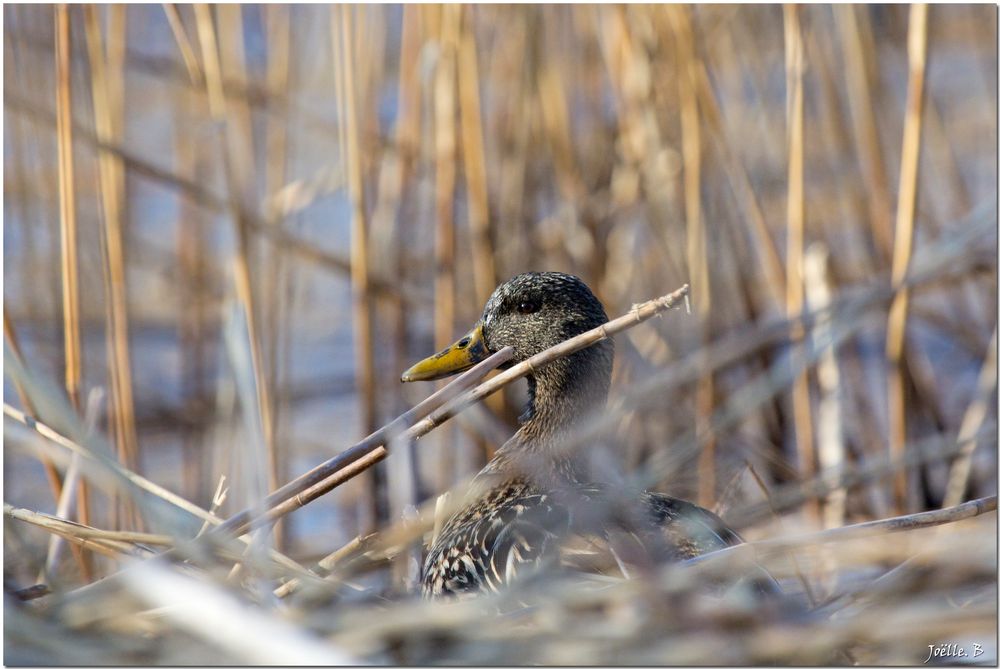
<point>527,307</point>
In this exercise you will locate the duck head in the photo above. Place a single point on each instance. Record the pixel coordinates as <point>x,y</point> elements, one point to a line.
<point>531,313</point>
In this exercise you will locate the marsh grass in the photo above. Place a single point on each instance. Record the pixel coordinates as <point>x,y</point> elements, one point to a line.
<point>240,224</point>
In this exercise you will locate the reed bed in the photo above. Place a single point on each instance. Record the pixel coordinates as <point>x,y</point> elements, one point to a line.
<point>229,229</point>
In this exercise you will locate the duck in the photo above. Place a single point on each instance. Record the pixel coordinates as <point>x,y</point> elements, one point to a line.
<point>536,496</point>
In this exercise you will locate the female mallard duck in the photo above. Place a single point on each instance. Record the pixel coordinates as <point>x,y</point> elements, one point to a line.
<point>535,493</point>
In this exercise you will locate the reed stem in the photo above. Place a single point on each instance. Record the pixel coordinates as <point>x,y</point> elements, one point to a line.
<point>794,287</point>
<point>903,245</point>
<point>360,290</point>
<point>68,239</point>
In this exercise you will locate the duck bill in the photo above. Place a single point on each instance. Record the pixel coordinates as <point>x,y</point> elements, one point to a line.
<point>458,357</point>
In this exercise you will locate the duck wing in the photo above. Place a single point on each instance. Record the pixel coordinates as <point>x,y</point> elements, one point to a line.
<point>514,529</point>
<point>663,528</point>
<point>693,531</point>
<point>690,530</point>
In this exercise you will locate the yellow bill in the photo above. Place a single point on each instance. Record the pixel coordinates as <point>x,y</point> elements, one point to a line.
<point>458,357</point>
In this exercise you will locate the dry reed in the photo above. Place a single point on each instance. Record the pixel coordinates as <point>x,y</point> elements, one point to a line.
<point>106,112</point>
<point>364,343</point>
<point>248,220</point>
<point>903,241</point>
<point>795,283</point>
<point>72,354</point>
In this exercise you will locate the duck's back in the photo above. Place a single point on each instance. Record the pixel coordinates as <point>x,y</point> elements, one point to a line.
<point>689,529</point>
<point>517,527</point>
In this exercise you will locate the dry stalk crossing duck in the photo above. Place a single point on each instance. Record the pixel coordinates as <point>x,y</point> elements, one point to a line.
<point>535,498</point>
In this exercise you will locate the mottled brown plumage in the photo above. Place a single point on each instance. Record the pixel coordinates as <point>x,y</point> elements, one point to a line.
<point>535,496</point>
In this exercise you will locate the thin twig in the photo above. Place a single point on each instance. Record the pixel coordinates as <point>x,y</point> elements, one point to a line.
<point>326,565</point>
<point>91,459</point>
<point>370,451</point>
<point>915,521</point>
<point>80,536</point>
<point>638,314</point>
<point>316,476</point>
<point>793,495</point>
<point>68,527</point>
<point>133,478</point>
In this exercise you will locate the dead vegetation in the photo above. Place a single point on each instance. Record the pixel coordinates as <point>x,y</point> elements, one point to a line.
<point>228,229</point>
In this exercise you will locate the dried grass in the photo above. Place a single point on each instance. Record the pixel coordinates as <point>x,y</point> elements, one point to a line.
<point>250,236</point>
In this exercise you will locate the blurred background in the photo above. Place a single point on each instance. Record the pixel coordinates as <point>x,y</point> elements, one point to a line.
<point>228,229</point>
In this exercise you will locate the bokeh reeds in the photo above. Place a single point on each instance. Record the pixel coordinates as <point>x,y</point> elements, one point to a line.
<point>228,229</point>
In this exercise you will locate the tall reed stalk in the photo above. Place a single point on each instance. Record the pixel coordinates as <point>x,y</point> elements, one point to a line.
<point>266,221</point>
<point>795,284</point>
<point>342,39</point>
<point>68,238</point>
<point>107,93</point>
<point>695,235</point>
<point>903,244</point>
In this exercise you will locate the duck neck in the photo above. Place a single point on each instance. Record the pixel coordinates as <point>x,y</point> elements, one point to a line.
<point>562,394</point>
